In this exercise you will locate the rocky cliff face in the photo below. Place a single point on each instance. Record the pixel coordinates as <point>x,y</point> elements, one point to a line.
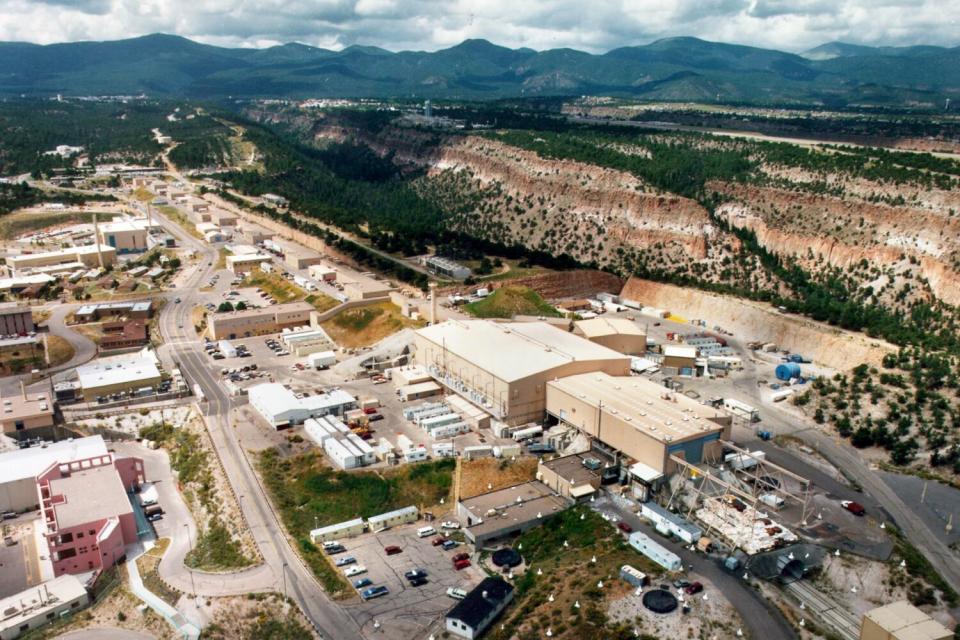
<point>891,249</point>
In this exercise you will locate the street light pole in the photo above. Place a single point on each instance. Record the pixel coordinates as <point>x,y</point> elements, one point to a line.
<point>193,584</point>
<point>284,574</point>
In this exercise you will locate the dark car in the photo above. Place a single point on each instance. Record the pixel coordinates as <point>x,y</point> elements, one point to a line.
<point>375,417</point>
<point>450,544</point>
<point>413,574</point>
<point>362,582</point>
<point>696,587</point>
<point>417,582</point>
<point>853,507</point>
<point>333,550</point>
<point>623,526</point>
<point>392,550</point>
<point>374,592</point>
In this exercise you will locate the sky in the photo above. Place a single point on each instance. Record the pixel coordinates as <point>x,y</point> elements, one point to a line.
<point>589,25</point>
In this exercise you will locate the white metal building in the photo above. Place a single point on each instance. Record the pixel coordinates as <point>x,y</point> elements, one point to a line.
<point>669,523</point>
<point>41,604</point>
<point>281,408</point>
<point>656,552</point>
<point>406,515</point>
<point>346,529</point>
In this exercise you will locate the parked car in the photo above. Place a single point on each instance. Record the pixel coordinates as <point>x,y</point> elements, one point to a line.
<point>335,549</point>
<point>374,592</point>
<point>461,564</point>
<point>623,526</point>
<point>417,582</point>
<point>696,587</point>
<point>461,556</point>
<point>370,410</point>
<point>415,573</point>
<point>376,416</point>
<point>392,550</point>
<point>449,524</point>
<point>344,561</point>
<point>437,541</point>
<point>355,570</point>
<point>155,517</point>
<point>362,582</point>
<point>855,508</point>
<point>456,593</point>
<point>450,544</point>
<point>680,584</point>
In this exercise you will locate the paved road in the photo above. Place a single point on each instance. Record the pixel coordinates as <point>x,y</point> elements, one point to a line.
<point>104,633</point>
<point>761,620</point>
<point>287,570</point>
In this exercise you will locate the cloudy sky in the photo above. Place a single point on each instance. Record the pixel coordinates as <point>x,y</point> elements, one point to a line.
<point>590,25</point>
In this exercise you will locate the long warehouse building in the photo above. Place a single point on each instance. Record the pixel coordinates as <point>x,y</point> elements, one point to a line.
<point>505,367</point>
<point>639,418</point>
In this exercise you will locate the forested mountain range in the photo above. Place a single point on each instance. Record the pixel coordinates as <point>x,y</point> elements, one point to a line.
<point>835,74</point>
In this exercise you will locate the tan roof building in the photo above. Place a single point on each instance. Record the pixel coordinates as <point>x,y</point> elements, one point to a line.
<point>619,334</point>
<point>901,621</point>
<point>359,287</point>
<point>504,367</point>
<point>258,322</point>
<point>639,418</point>
<point>23,412</point>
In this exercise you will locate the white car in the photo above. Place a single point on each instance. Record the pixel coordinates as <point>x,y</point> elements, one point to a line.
<point>355,570</point>
<point>449,524</point>
<point>456,593</point>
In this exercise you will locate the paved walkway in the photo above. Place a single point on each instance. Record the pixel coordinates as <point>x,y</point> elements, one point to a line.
<point>176,619</point>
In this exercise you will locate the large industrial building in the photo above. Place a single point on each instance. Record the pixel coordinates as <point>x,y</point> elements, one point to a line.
<point>118,374</point>
<point>281,408</point>
<point>20,468</point>
<point>639,419</point>
<point>258,322</point>
<point>40,605</point>
<point>15,319</point>
<point>505,367</point>
<point>619,334</point>
<point>87,516</point>
<point>901,621</point>
<point>125,236</point>
<point>86,256</point>
<point>507,512</point>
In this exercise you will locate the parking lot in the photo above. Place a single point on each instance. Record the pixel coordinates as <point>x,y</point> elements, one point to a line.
<point>406,608</point>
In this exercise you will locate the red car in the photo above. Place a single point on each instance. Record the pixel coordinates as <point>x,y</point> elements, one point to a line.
<point>461,564</point>
<point>691,589</point>
<point>437,541</point>
<point>392,550</point>
<point>853,507</point>
<point>623,526</point>
<point>461,556</point>
<point>370,410</point>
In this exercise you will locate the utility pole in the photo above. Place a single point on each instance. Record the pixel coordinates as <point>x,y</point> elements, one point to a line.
<point>193,585</point>
<point>284,573</point>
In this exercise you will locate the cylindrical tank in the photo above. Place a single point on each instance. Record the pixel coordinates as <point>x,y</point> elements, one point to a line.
<point>787,371</point>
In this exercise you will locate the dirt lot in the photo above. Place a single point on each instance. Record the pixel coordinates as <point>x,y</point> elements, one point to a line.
<point>364,326</point>
<point>489,474</point>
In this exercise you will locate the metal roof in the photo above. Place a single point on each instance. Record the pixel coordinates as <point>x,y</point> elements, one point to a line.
<point>906,622</point>
<point>515,350</point>
<point>29,463</point>
<point>598,327</point>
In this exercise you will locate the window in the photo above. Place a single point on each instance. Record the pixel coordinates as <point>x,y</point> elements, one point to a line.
<point>25,627</point>
<point>18,425</point>
<point>79,535</point>
<point>50,615</point>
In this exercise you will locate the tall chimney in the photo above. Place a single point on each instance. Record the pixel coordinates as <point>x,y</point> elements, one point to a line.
<point>96,240</point>
<point>433,303</point>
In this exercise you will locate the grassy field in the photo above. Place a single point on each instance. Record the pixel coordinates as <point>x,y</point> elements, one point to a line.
<point>26,358</point>
<point>178,217</point>
<point>509,301</point>
<point>308,493</point>
<point>363,326</point>
<point>143,194</point>
<point>17,224</point>
<point>281,289</point>
<point>321,302</point>
<point>59,349</point>
<point>488,474</point>
<point>563,549</point>
<point>215,549</point>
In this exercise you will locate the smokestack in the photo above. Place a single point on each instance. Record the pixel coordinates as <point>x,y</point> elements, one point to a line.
<point>96,239</point>
<point>433,303</point>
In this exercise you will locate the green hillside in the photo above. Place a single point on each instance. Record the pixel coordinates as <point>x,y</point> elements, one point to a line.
<point>510,301</point>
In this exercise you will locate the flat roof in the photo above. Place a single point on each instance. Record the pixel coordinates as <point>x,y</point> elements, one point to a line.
<point>679,351</point>
<point>38,599</point>
<point>648,406</point>
<point>15,406</point>
<point>389,515</point>
<point>571,468</point>
<point>134,224</point>
<point>906,622</point>
<point>91,494</point>
<point>598,327</point>
<point>110,371</point>
<point>7,308</point>
<point>515,350</point>
<point>249,257</point>
<point>70,251</point>
<point>513,505</point>
<point>89,309</point>
<point>276,398</point>
<point>29,463</point>
<point>272,310</point>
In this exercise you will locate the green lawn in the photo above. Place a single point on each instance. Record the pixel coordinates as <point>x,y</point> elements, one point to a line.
<point>509,301</point>
<point>308,494</point>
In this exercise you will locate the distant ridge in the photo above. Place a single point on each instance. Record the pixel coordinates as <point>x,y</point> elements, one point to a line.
<point>683,68</point>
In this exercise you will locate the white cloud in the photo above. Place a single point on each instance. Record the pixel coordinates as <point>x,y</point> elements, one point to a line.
<point>595,26</point>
